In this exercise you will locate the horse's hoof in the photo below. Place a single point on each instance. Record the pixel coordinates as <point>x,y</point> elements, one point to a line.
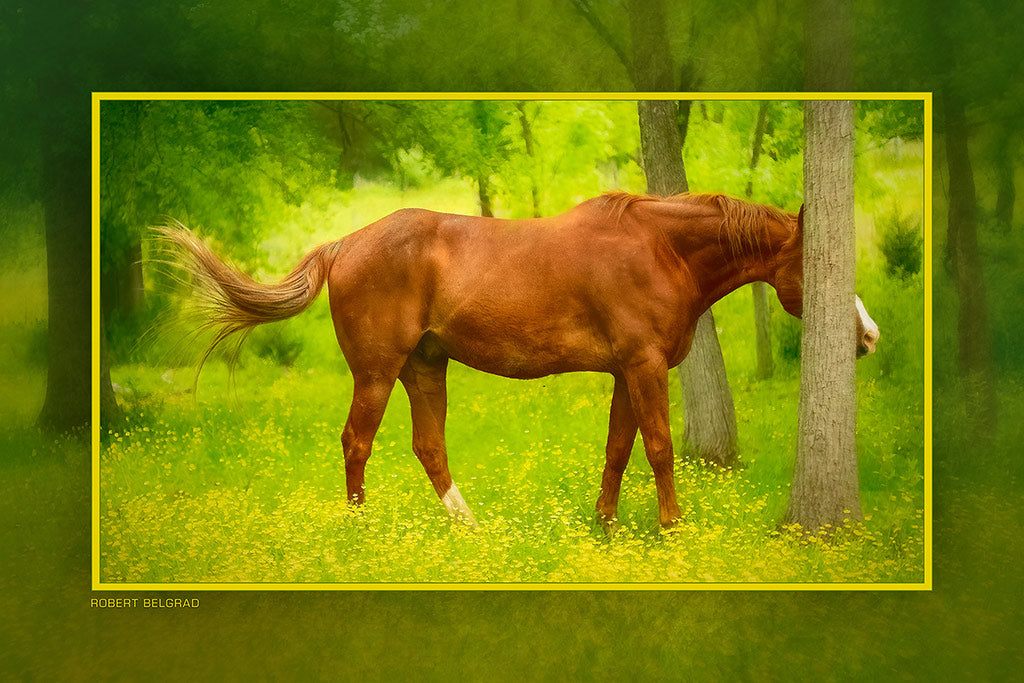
<point>609,524</point>
<point>671,524</point>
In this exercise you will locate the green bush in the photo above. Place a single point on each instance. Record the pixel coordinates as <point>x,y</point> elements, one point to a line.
<point>277,343</point>
<point>900,241</point>
<point>787,333</point>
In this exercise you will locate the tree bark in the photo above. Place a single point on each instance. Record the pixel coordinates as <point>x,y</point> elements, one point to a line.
<point>825,488</point>
<point>759,290</point>
<point>709,415</point>
<point>660,147</point>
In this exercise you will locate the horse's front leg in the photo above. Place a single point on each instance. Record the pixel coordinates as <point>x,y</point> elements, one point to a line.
<point>647,383</point>
<point>621,435</point>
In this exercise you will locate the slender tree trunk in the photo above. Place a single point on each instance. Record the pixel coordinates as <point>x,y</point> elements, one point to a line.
<point>1006,191</point>
<point>110,412</point>
<point>755,145</point>
<point>825,488</point>
<point>524,123</point>
<point>483,189</point>
<point>975,344</point>
<point>123,287</point>
<point>132,290</point>
<point>759,290</point>
<point>762,330</point>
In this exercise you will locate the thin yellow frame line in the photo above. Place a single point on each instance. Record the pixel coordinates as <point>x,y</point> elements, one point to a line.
<point>925,97</point>
<point>512,95</point>
<point>95,374</point>
<point>928,141</point>
<point>668,587</point>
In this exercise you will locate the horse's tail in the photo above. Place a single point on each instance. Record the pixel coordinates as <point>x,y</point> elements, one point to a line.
<point>231,302</point>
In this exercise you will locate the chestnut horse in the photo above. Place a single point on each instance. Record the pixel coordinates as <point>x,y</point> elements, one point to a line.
<point>614,285</point>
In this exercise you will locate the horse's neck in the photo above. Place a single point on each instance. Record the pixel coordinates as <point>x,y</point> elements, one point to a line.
<point>718,274</point>
<point>716,270</point>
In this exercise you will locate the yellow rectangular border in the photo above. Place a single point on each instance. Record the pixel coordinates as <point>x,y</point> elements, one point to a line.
<point>924,97</point>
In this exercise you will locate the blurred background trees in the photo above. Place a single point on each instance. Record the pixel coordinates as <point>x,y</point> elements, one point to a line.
<point>53,54</point>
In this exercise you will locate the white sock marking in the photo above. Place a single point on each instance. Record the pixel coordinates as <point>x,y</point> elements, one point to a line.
<point>457,507</point>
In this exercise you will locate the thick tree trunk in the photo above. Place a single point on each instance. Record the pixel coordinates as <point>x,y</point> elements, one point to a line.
<point>759,290</point>
<point>825,488</point>
<point>660,147</point>
<point>66,201</point>
<point>975,345</point>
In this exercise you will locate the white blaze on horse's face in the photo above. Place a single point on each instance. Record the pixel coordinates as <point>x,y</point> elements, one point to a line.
<point>869,336</point>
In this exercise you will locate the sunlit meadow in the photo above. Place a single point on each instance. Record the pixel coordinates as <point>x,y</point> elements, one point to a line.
<point>244,482</point>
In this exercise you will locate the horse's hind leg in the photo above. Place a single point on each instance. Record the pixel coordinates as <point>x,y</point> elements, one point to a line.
<point>369,399</point>
<point>621,435</point>
<point>424,381</point>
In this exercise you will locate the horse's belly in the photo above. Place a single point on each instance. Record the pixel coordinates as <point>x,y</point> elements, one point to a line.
<point>524,352</point>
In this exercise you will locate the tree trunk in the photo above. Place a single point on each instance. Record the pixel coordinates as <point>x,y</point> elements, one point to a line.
<point>1006,192</point>
<point>825,481</point>
<point>66,202</point>
<point>123,286</point>
<point>110,412</point>
<point>825,487</point>
<point>709,415</point>
<point>660,148</point>
<point>483,189</point>
<point>759,290</point>
<point>975,345</point>
<point>762,331</point>
<point>524,124</point>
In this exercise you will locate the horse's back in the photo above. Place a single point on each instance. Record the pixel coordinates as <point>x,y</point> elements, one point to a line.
<point>521,298</point>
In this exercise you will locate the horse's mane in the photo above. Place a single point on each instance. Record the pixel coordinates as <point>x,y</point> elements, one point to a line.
<point>744,228</point>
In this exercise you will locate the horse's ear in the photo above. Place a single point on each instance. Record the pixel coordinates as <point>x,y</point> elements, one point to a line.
<point>800,221</point>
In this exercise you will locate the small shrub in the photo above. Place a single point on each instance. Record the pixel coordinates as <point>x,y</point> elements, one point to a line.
<point>900,241</point>
<point>277,343</point>
<point>787,333</point>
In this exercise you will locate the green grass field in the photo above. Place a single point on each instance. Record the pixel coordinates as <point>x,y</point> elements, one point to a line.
<point>246,484</point>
